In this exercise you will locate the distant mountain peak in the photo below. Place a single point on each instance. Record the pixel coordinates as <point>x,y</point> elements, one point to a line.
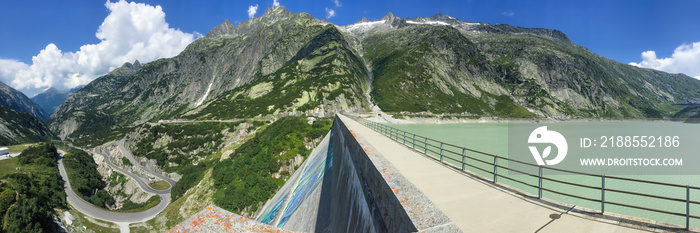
<point>276,10</point>
<point>388,17</point>
<point>223,29</point>
<point>363,20</point>
<point>444,18</point>
<point>51,89</point>
<point>132,66</point>
<point>52,97</point>
<point>440,16</point>
<point>72,90</point>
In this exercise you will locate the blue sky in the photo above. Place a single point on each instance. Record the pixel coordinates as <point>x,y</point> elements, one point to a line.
<point>620,30</point>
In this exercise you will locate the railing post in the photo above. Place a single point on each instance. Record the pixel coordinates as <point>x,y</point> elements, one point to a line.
<point>602,196</point>
<point>464,158</point>
<point>404,137</point>
<point>414,141</point>
<point>539,187</point>
<point>495,166</point>
<point>441,144</point>
<point>687,207</point>
<point>426,146</point>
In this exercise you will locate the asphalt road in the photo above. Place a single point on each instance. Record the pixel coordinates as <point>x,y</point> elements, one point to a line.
<point>7,156</point>
<point>127,153</point>
<point>143,182</point>
<point>92,211</point>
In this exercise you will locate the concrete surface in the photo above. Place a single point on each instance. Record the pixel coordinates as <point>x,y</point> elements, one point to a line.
<point>363,177</point>
<point>473,205</point>
<point>214,219</point>
<point>345,187</point>
<point>300,197</point>
<point>10,155</point>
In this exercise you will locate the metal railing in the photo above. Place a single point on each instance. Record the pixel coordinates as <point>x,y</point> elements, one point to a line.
<point>439,150</point>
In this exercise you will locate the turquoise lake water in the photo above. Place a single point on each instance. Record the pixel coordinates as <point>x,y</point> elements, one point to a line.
<point>493,138</point>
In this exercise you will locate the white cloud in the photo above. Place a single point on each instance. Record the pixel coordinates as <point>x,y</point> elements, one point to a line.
<point>685,59</point>
<point>8,69</point>
<point>508,13</point>
<point>329,13</point>
<point>275,3</point>
<point>131,31</point>
<point>252,10</point>
<point>337,3</point>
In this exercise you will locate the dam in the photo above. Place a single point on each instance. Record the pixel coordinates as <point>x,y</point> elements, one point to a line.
<point>359,180</point>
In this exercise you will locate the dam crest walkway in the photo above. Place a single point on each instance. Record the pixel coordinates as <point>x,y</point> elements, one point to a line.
<point>475,205</point>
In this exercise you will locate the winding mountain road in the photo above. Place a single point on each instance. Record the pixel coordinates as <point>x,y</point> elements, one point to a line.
<point>128,155</point>
<point>122,219</point>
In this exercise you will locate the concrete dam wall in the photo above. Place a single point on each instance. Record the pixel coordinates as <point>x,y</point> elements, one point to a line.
<point>359,180</point>
<point>345,186</point>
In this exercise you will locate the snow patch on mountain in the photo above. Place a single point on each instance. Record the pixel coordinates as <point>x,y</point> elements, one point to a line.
<point>427,22</point>
<point>364,25</point>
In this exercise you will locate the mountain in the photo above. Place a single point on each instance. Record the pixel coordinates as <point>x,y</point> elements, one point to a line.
<point>19,127</point>
<point>20,118</point>
<point>324,77</point>
<point>285,63</point>
<point>690,114</point>
<point>290,64</point>
<point>443,65</point>
<point>52,97</point>
<point>11,98</point>
<point>207,68</point>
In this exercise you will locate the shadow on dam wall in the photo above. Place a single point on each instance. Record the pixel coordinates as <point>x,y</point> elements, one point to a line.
<point>360,199</point>
<point>355,191</point>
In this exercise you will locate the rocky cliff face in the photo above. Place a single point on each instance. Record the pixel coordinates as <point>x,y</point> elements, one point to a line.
<point>324,77</point>
<point>20,118</point>
<point>224,29</point>
<point>11,98</point>
<point>284,63</point>
<point>19,127</point>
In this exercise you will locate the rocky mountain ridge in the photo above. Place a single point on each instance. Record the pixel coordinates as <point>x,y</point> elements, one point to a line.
<point>19,127</point>
<point>20,118</point>
<point>11,98</point>
<point>463,26</point>
<point>285,63</point>
<point>51,98</point>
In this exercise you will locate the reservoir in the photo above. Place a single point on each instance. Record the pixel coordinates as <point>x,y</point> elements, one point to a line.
<point>493,138</point>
